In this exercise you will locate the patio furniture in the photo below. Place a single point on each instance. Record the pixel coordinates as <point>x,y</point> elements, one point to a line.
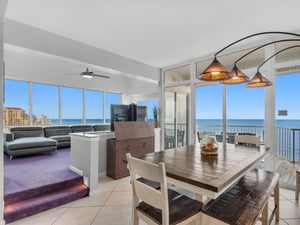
<point>249,140</point>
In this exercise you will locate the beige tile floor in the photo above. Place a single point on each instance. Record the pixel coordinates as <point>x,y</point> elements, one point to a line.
<point>110,204</point>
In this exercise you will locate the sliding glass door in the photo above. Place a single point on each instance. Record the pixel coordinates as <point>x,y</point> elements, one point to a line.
<point>176,116</point>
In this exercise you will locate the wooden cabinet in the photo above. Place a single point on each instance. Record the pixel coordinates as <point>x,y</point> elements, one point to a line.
<point>134,137</point>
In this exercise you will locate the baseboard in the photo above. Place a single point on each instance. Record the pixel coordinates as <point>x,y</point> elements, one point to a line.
<point>76,170</point>
<point>102,174</point>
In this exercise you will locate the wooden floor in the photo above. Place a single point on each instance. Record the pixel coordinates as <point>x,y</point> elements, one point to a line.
<point>287,171</point>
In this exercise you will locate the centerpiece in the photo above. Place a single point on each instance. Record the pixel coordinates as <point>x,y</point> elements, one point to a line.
<point>209,145</point>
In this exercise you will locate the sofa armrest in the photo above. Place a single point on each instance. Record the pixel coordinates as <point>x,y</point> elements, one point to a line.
<point>8,136</point>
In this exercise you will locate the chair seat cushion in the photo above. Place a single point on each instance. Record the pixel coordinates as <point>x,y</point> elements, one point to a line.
<point>61,138</point>
<point>30,142</point>
<point>177,202</point>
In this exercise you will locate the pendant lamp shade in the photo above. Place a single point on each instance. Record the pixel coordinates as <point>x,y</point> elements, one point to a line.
<point>237,77</point>
<point>259,81</point>
<point>215,72</point>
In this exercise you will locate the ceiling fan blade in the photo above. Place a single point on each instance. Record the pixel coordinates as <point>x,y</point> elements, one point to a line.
<point>102,76</point>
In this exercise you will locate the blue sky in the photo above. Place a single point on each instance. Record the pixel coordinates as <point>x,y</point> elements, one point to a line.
<point>242,102</point>
<point>248,103</point>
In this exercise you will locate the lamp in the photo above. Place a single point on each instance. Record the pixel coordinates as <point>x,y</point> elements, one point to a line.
<point>237,76</point>
<point>88,76</point>
<point>217,72</point>
<point>259,80</point>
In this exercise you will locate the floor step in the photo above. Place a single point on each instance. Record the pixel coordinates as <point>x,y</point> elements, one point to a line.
<point>25,208</point>
<point>42,190</point>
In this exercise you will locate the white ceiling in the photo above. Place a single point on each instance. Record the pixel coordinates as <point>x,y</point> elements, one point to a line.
<point>157,32</point>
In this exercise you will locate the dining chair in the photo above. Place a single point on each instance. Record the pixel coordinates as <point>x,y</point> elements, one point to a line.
<point>249,140</point>
<point>158,206</point>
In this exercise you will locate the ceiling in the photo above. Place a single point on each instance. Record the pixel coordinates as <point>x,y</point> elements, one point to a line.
<point>159,33</point>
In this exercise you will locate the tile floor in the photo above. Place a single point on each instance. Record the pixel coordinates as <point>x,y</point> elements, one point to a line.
<point>110,204</point>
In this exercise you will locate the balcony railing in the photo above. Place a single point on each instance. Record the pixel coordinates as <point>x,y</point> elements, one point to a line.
<point>287,139</point>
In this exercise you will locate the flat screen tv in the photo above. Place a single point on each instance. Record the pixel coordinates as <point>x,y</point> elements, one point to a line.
<point>130,112</point>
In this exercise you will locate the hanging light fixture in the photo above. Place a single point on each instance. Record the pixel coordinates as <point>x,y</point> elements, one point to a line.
<point>261,81</point>
<point>237,76</point>
<point>258,81</point>
<point>217,72</point>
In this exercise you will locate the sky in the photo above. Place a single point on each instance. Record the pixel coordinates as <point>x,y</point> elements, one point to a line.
<point>248,103</point>
<point>242,103</point>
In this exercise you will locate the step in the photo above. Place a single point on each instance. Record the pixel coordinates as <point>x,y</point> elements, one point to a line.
<point>28,207</point>
<point>42,190</point>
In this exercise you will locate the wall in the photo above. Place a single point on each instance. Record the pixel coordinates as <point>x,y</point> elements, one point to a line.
<point>3,5</point>
<point>34,54</point>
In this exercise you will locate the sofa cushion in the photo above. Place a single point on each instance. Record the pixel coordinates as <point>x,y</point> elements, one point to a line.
<point>82,128</point>
<point>57,131</point>
<point>30,142</point>
<point>61,138</point>
<point>23,132</point>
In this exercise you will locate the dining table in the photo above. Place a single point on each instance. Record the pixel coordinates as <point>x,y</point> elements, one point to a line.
<point>208,176</point>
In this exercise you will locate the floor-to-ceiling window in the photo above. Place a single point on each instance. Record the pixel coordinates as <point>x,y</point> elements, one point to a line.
<point>71,105</point>
<point>94,107</point>
<point>288,116</point>
<point>150,104</point>
<point>45,100</point>
<point>110,98</point>
<point>209,110</point>
<point>16,103</point>
<point>176,107</point>
<point>245,111</point>
<point>238,108</point>
<point>30,103</point>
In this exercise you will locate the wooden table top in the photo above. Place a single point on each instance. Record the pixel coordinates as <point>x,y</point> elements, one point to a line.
<point>214,173</point>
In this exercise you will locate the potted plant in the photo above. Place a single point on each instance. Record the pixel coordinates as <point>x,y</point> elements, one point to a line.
<point>155,116</point>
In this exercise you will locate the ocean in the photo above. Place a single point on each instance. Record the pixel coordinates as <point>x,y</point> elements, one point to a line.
<point>200,122</point>
<point>249,122</point>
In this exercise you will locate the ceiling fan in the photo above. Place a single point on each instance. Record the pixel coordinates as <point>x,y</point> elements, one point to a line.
<point>90,74</point>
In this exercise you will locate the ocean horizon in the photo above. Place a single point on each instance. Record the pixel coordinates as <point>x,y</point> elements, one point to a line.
<point>284,123</point>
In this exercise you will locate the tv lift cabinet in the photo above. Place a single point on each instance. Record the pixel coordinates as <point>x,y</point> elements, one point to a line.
<point>136,137</point>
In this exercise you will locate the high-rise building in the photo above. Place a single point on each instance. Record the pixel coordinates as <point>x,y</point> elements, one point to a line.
<point>14,116</point>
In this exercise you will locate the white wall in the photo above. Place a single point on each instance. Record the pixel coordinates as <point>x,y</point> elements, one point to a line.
<point>50,56</point>
<point>3,5</point>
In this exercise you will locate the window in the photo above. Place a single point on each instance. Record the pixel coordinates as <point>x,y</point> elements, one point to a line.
<point>71,105</point>
<point>150,105</point>
<point>209,108</point>
<point>287,94</point>
<point>93,107</point>
<point>16,107</point>
<point>110,98</point>
<point>177,74</point>
<point>51,106</point>
<point>245,110</point>
<point>44,104</point>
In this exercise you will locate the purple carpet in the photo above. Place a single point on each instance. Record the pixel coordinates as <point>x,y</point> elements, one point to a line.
<point>39,182</point>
